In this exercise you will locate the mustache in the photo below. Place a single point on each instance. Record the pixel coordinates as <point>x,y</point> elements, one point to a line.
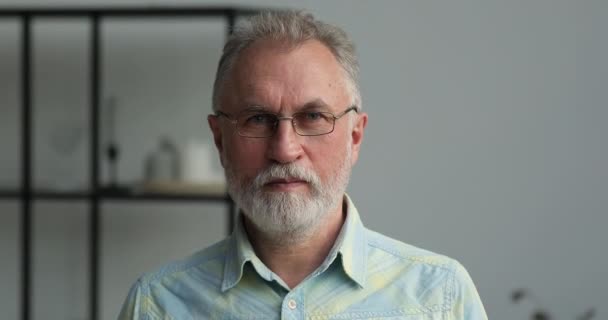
<point>286,171</point>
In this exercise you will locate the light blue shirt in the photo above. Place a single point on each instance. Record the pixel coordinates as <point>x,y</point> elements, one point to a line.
<point>365,276</point>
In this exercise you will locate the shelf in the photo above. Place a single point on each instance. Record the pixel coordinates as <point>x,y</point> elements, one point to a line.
<point>125,11</point>
<point>94,194</point>
<point>120,196</point>
<point>60,195</point>
<point>46,194</point>
<point>10,194</point>
<point>166,197</point>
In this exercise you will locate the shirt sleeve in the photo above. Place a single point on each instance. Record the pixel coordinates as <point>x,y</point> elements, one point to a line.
<point>467,303</point>
<point>132,307</point>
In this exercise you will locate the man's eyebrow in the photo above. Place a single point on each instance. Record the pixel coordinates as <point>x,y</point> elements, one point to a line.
<point>255,107</point>
<point>317,104</point>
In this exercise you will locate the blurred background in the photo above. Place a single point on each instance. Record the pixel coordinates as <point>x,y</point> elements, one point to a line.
<point>486,142</point>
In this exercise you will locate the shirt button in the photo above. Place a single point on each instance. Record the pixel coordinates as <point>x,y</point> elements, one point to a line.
<point>292,304</point>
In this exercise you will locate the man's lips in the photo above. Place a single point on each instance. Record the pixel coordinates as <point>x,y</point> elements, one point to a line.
<point>285,183</point>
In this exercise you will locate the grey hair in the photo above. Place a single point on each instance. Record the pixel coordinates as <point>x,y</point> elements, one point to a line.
<point>294,27</point>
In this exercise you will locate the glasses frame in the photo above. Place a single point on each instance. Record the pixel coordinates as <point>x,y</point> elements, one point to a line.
<point>280,118</point>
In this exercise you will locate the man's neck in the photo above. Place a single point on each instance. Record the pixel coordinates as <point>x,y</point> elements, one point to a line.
<point>294,262</point>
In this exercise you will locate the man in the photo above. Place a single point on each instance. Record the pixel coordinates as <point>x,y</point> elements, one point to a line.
<point>288,127</point>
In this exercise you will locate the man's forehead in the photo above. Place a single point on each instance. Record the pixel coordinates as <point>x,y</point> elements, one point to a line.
<point>265,74</point>
<point>262,53</point>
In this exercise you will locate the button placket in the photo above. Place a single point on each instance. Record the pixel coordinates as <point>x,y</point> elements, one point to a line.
<point>293,307</point>
<point>292,304</point>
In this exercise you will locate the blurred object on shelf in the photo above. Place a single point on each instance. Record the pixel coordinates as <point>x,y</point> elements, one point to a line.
<point>112,150</point>
<point>588,315</point>
<point>520,295</point>
<point>163,163</point>
<point>197,164</point>
<point>65,137</point>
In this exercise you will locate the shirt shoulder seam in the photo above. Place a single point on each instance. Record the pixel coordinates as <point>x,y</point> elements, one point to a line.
<point>197,259</point>
<point>429,258</point>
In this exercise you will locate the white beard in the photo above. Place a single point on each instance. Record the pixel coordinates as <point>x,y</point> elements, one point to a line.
<point>289,216</point>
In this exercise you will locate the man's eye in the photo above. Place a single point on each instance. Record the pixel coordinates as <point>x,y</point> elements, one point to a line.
<point>261,118</point>
<point>312,116</point>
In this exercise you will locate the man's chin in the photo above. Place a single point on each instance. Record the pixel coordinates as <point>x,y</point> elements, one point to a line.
<point>283,229</point>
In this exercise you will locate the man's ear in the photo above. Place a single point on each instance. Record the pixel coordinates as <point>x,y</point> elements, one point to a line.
<point>214,125</point>
<point>357,135</point>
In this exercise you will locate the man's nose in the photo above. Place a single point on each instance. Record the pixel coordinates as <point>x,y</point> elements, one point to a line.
<point>285,144</point>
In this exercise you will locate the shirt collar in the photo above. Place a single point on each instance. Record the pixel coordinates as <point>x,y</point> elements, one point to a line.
<point>239,252</point>
<point>351,245</point>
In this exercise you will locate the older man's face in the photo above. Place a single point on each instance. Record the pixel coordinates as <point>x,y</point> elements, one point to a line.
<point>291,170</point>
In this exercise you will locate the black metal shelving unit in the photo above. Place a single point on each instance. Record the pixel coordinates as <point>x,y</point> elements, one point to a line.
<point>96,193</point>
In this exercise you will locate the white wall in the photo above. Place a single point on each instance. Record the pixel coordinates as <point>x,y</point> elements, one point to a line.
<point>486,142</point>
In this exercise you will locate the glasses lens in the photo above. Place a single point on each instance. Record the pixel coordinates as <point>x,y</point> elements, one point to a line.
<point>313,123</point>
<point>256,124</point>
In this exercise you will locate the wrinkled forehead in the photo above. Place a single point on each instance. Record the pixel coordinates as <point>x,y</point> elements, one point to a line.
<point>280,75</point>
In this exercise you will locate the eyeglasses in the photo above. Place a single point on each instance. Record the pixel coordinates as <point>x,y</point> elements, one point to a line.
<point>260,124</point>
